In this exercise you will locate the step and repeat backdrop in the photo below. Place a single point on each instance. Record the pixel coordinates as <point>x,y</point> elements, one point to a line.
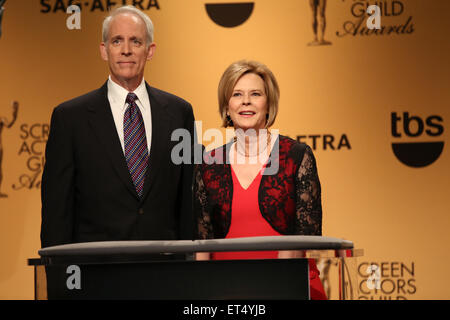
<point>374,104</point>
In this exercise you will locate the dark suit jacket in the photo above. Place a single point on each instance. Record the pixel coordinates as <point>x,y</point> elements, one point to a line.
<point>87,191</point>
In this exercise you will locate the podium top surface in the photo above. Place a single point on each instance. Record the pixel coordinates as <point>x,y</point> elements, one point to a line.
<point>188,246</point>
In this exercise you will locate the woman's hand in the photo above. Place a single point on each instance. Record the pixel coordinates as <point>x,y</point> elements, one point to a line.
<point>202,256</point>
<point>291,254</point>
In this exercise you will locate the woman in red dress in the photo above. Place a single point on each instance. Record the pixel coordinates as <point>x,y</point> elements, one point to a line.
<point>261,183</point>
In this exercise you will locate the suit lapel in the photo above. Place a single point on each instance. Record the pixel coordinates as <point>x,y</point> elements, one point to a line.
<point>102,123</point>
<point>160,139</point>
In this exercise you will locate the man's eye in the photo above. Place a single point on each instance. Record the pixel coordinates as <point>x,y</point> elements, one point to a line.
<point>116,41</point>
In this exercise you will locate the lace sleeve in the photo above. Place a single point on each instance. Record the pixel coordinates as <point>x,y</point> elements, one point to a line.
<point>309,202</point>
<point>201,208</point>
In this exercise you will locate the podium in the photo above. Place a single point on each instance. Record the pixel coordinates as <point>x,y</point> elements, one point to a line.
<point>166,270</point>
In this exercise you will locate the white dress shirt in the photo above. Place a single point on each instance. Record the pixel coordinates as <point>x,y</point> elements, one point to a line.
<point>117,96</point>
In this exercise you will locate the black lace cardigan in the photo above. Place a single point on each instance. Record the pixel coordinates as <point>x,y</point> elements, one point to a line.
<point>290,199</point>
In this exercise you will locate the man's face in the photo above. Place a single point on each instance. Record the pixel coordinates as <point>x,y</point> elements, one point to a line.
<point>126,49</point>
<point>1,17</point>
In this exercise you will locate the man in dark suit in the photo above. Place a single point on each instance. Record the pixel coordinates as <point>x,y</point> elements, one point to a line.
<point>2,2</point>
<point>109,175</point>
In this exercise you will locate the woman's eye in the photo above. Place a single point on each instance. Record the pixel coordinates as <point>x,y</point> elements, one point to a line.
<point>236,94</point>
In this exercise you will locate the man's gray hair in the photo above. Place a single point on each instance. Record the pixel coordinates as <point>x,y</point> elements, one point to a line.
<point>131,10</point>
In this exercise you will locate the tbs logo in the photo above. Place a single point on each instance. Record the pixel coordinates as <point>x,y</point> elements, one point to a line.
<point>421,153</point>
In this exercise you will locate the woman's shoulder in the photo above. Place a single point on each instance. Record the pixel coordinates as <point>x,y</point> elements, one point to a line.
<point>213,166</point>
<point>216,156</point>
<point>293,148</point>
<point>215,153</point>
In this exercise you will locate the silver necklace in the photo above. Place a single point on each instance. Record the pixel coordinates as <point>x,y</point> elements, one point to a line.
<point>269,139</point>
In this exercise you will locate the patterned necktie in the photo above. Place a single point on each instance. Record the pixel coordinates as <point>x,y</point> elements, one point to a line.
<point>136,152</point>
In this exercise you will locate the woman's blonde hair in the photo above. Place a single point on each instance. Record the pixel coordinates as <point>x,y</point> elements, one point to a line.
<point>232,75</point>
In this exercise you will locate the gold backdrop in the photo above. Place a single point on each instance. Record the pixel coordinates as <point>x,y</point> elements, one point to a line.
<point>350,100</point>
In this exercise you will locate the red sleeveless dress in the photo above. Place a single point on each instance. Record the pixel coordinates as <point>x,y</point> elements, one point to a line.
<point>247,221</point>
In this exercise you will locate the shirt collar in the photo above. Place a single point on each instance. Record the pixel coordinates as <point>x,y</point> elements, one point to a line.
<point>119,93</point>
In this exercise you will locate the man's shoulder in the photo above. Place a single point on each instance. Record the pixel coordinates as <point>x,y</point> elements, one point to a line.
<point>81,102</point>
<point>169,98</point>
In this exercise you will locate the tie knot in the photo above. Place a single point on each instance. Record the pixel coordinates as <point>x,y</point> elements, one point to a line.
<point>131,98</point>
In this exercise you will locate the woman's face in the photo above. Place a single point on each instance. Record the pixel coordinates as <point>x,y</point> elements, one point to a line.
<point>247,106</point>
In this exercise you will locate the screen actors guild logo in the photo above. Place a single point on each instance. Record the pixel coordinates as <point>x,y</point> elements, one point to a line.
<point>56,6</point>
<point>318,22</point>
<point>8,124</point>
<point>387,280</point>
<point>366,19</point>
<point>2,2</point>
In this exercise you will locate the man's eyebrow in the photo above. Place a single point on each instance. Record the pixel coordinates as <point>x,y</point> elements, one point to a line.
<point>132,37</point>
